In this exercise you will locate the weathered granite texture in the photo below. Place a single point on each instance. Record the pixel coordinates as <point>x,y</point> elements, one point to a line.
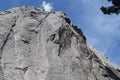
<point>40,45</point>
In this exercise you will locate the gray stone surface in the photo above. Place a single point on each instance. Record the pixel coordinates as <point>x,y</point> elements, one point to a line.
<point>40,45</point>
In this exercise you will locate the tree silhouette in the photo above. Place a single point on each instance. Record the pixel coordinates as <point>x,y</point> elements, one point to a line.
<point>115,8</point>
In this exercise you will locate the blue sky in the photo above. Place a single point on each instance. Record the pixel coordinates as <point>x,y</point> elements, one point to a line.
<point>102,31</point>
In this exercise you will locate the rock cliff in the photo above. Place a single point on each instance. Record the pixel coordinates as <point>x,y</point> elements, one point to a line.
<point>40,45</point>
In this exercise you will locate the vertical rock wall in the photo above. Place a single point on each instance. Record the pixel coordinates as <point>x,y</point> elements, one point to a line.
<point>40,45</point>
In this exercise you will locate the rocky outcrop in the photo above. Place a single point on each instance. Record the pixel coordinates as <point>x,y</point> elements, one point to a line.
<point>40,45</point>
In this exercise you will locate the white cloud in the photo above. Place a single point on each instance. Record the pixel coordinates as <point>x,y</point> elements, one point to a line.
<point>47,6</point>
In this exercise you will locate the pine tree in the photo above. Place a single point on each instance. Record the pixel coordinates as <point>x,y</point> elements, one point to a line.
<point>115,8</point>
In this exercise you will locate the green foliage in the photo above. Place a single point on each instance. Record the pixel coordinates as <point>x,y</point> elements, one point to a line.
<point>115,8</point>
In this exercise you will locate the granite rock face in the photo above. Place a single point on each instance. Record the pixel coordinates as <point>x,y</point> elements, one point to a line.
<point>40,45</point>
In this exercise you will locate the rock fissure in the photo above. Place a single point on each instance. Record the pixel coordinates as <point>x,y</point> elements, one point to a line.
<point>7,37</point>
<point>40,22</point>
<point>23,69</point>
<point>2,76</point>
